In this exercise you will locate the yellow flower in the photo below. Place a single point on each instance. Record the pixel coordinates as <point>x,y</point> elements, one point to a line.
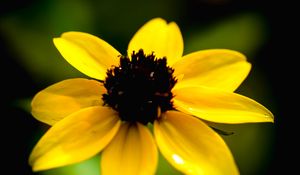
<point>155,85</point>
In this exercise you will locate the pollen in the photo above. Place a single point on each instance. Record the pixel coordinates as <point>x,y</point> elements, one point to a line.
<point>139,89</point>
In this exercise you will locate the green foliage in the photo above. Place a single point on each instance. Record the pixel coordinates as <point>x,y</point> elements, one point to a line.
<point>244,33</point>
<point>88,167</point>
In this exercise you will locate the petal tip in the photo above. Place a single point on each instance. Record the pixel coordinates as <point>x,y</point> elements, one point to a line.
<point>32,163</point>
<point>270,118</point>
<point>36,168</point>
<point>57,41</point>
<point>158,19</point>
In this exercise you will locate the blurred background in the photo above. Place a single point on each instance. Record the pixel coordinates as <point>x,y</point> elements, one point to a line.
<point>30,62</point>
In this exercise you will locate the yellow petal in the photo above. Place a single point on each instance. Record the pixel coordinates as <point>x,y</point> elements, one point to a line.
<point>220,106</point>
<point>63,98</point>
<point>75,138</point>
<point>87,53</point>
<point>165,40</point>
<point>132,151</point>
<point>191,146</point>
<point>217,68</point>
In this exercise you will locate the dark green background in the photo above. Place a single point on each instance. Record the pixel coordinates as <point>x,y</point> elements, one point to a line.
<point>30,62</point>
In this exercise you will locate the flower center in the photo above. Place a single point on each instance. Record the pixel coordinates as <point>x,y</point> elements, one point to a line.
<point>140,87</point>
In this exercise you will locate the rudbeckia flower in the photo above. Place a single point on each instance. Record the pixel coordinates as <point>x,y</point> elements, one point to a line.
<point>153,84</point>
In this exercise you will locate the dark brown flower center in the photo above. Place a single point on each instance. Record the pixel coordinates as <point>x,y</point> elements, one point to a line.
<point>140,87</point>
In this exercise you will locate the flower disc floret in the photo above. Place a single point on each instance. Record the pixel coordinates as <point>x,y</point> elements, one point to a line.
<point>140,87</point>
